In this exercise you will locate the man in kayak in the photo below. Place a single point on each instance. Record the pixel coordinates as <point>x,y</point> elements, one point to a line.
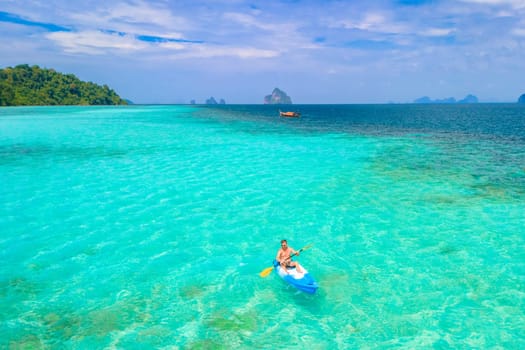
<point>284,257</point>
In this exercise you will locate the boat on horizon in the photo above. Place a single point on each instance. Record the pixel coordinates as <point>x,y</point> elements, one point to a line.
<point>289,114</point>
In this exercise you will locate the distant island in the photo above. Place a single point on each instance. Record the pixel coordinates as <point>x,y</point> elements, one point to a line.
<point>277,97</point>
<point>210,101</point>
<point>467,99</point>
<point>213,101</point>
<point>521,99</point>
<point>26,85</point>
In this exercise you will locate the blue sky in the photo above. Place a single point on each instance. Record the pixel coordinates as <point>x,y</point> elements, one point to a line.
<point>317,51</point>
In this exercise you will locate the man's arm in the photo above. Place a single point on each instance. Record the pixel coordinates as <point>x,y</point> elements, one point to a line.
<point>293,252</point>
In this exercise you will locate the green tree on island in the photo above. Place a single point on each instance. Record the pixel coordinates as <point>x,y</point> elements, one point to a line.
<point>26,85</point>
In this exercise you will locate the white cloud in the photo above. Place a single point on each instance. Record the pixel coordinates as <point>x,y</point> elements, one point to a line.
<point>208,51</point>
<point>374,22</point>
<point>244,19</point>
<point>519,32</point>
<point>95,42</point>
<point>437,32</point>
<point>173,45</point>
<point>516,4</point>
<point>135,18</point>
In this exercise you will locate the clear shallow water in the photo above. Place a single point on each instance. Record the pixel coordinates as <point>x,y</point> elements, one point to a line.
<point>147,226</point>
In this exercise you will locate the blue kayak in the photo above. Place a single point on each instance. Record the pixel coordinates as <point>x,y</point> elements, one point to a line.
<point>300,280</point>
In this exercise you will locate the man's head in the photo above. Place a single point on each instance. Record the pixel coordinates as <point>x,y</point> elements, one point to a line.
<point>284,243</point>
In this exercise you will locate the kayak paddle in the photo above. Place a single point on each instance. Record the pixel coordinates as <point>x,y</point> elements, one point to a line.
<point>268,270</point>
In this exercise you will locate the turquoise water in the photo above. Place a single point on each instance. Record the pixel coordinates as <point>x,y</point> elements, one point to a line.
<point>147,226</point>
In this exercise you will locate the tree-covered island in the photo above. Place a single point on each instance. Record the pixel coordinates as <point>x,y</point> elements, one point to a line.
<point>26,85</point>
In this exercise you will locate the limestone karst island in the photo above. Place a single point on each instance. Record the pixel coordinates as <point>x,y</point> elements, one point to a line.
<point>277,97</point>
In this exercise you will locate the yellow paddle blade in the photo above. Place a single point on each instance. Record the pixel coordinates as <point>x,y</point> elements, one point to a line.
<point>266,271</point>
